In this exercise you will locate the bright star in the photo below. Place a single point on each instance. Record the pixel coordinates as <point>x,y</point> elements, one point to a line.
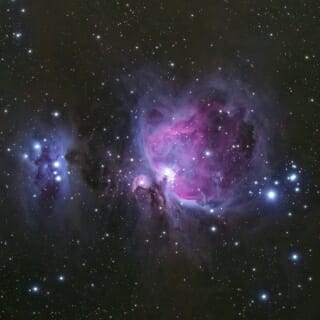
<point>56,164</point>
<point>294,256</point>
<point>37,146</point>
<point>34,289</point>
<point>264,296</point>
<point>271,195</point>
<point>58,178</point>
<point>61,278</point>
<point>293,177</point>
<point>213,228</point>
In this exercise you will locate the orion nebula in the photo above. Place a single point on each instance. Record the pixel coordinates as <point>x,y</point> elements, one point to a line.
<point>200,148</point>
<point>201,156</point>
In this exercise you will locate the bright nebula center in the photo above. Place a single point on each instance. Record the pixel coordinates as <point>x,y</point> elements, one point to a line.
<point>200,152</point>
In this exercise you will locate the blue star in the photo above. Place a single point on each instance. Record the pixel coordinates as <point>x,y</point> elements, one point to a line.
<point>271,194</point>
<point>56,164</point>
<point>264,296</point>
<point>294,256</point>
<point>292,177</point>
<point>37,146</point>
<point>34,289</point>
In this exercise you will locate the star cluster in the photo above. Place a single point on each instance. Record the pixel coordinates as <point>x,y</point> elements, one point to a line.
<point>46,168</point>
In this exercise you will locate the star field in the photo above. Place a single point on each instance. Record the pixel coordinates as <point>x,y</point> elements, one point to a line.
<point>159,159</point>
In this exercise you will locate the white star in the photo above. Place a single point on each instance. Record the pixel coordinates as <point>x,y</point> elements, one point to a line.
<point>213,228</point>
<point>56,164</point>
<point>34,289</point>
<point>292,177</point>
<point>294,256</point>
<point>61,278</point>
<point>264,296</point>
<point>271,195</point>
<point>37,146</point>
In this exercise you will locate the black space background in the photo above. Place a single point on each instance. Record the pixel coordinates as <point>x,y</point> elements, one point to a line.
<point>273,46</point>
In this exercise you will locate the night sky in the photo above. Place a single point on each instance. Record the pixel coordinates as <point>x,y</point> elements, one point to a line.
<point>159,159</point>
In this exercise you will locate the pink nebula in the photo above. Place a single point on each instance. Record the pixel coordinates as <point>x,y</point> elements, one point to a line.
<point>199,154</point>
